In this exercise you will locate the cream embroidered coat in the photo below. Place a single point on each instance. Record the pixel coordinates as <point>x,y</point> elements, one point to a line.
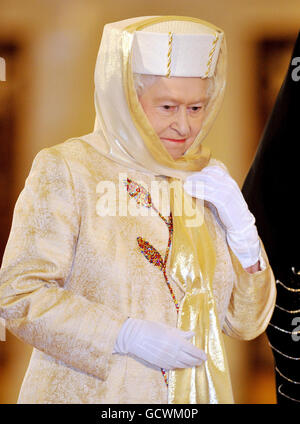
<point>70,278</point>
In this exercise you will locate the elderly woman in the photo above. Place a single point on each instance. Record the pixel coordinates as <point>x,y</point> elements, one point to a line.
<point>131,249</point>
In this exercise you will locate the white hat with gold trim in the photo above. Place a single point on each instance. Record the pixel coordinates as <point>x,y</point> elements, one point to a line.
<point>176,48</point>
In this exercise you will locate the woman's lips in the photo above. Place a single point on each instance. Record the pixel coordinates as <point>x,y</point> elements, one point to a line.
<point>175,140</point>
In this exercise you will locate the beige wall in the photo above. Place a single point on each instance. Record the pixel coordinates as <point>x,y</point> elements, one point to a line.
<point>54,91</point>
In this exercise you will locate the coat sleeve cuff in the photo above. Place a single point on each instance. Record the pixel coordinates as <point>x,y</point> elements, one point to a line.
<point>252,300</point>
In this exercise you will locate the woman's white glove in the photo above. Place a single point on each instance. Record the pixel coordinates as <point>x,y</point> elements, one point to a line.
<point>222,191</point>
<point>158,344</point>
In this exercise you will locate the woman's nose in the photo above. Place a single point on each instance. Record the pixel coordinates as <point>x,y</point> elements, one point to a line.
<point>181,122</point>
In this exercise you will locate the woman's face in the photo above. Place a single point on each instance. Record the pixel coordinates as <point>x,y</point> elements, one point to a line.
<point>176,108</point>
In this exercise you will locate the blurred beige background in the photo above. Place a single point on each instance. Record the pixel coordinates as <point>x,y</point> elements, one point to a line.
<point>50,48</point>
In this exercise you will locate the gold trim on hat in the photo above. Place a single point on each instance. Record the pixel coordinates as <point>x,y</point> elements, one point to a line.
<point>169,54</point>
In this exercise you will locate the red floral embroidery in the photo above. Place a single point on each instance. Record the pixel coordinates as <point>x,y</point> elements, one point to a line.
<point>143,198</point>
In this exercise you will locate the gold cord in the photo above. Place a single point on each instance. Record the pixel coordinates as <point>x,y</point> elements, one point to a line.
<point>169,54</point>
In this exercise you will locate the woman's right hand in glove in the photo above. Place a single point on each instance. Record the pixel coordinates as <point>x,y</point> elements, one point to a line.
<point>158,344</point>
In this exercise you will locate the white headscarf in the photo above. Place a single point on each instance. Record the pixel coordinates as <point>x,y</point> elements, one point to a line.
<point>115,134</point>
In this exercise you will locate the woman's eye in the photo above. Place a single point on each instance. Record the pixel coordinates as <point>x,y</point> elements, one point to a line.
<point>196,108</point>
<point>167,107</point>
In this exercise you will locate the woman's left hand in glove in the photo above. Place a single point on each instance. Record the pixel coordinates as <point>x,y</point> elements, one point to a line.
<point>215,185</point>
